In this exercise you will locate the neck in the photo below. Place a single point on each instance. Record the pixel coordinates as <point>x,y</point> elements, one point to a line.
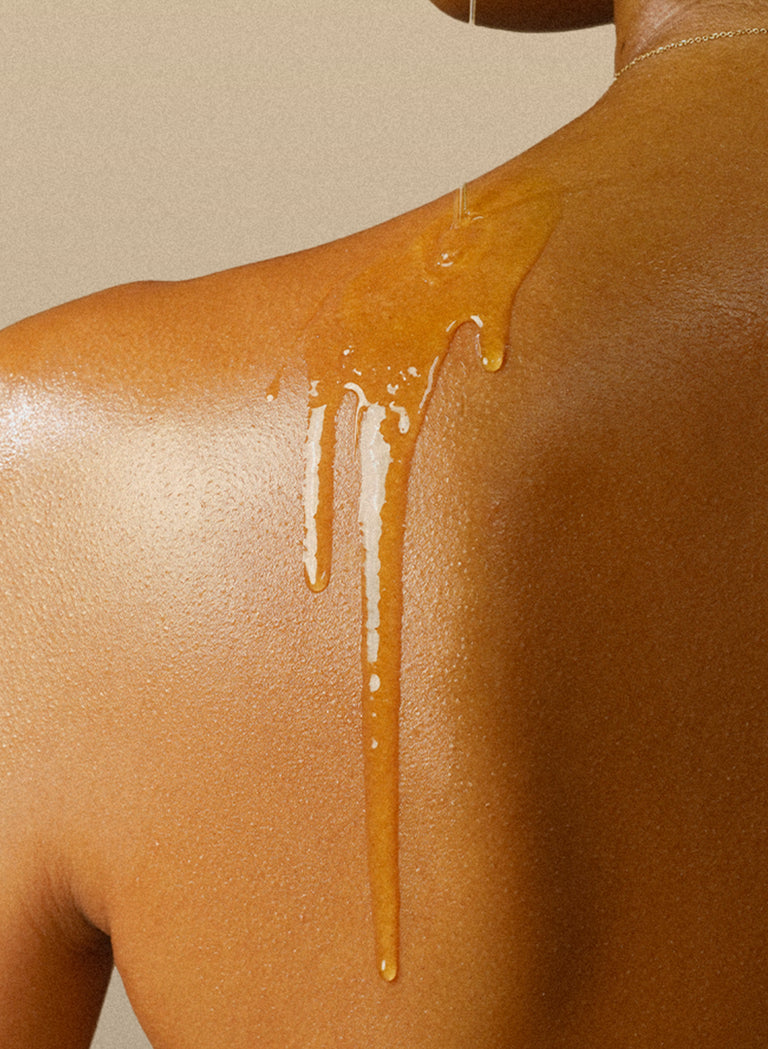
<point>643,25</point>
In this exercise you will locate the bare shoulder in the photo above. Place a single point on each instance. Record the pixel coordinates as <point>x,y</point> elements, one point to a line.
<point>186,701</point>
<point>120,415</point>
<point>54,961</point>
<point>552,496</point>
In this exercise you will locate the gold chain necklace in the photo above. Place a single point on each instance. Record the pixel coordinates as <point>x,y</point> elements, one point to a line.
<point>724,35</point>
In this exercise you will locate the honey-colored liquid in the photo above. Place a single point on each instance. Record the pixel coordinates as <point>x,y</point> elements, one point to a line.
<point>392,325</point>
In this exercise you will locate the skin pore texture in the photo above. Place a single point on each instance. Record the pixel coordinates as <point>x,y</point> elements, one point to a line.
<point>515,442</point>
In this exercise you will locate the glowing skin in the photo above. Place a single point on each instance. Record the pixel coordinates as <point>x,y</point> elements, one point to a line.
<point>393,323</point>
<point>583,723</point>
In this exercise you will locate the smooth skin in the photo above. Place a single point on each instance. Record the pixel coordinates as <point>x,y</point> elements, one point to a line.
<point>585,673</point>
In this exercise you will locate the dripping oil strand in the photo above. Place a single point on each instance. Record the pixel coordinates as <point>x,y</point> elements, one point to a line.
<point>463,264</point>
<point>313,459</point>
<point>461,209</point>
<point>382,517</point>
<point>318,495</point>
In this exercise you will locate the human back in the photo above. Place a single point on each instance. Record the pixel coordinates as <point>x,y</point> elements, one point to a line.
<point>581,674</point>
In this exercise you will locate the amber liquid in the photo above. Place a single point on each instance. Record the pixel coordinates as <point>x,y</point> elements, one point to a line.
<point>393,323</point>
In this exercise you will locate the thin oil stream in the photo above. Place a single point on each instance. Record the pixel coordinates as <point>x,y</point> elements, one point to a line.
<point>392,324</point>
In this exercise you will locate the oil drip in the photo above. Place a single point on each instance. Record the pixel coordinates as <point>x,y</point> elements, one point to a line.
<point>383,336</point>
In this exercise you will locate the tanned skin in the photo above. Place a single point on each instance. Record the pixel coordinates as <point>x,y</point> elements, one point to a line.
<point>585,670</point>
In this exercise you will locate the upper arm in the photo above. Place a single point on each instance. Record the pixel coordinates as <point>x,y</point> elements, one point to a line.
<point>54,968</point>
<point>54,965</point>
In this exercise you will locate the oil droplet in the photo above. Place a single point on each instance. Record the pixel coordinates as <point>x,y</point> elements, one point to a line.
<point>274,387</point>
<point>464,265</point>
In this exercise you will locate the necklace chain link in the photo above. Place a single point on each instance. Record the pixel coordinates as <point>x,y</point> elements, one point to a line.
<point>723,35</point>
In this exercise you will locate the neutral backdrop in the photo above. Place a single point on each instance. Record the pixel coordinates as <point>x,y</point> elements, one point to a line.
<point>160,139</point>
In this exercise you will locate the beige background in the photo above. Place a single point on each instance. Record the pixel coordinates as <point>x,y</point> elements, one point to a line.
<point>163,139</point>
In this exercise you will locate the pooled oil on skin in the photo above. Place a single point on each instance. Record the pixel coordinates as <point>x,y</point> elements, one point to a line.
<point>382,335</point>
